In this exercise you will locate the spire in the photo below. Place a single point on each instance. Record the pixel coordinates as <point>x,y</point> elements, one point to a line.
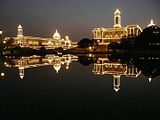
<point>117,11</point>
<point>117,19</point>
<point>151,23</point>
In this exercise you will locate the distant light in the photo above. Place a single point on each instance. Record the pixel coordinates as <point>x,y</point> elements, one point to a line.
<point>2,74</point>
<point>90,47</point>
<point>90,55</point>
<point>4,42</point>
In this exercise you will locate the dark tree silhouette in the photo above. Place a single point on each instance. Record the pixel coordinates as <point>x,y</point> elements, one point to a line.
<point>84,43</point>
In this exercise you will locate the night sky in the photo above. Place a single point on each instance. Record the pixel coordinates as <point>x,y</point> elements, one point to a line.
<point>75,18</point>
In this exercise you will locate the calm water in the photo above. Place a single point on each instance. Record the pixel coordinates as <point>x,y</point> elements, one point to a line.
<point>76,92</point>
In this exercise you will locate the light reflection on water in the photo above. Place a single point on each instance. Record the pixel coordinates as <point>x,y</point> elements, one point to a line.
<point>78,85</point>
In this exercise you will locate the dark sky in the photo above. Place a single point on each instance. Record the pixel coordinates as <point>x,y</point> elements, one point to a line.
<point>75,18</point>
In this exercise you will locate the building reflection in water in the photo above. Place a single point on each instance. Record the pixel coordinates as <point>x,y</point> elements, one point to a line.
<point>115,68</point>
<point>23,63</point>
<point>102,64</point>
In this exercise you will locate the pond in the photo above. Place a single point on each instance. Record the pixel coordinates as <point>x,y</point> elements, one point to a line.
<point>79,86</point>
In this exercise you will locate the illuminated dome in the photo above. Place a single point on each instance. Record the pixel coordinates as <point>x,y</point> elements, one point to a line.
<point>19,27</point>
<point>56,35</point>
<point>117,12</point>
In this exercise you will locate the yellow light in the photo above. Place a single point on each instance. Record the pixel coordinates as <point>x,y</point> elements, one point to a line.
<point>4,42</point>
<point>90,47</point>
<point>90,55</point>
<point>1,32</point>
<point>2,74</point>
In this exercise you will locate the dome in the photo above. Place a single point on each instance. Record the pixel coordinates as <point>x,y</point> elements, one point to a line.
<point>19,27</point>
<point>117,12</point>
<point>56,35</point>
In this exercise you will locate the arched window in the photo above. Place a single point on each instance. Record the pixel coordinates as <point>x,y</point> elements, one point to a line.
<point>117,20</point>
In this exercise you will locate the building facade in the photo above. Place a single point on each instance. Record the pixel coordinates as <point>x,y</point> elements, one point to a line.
<point>106,35</point>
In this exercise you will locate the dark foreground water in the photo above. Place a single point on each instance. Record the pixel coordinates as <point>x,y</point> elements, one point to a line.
<point>76,93</point>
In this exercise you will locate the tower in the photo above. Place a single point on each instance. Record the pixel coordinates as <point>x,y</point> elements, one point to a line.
<point>117,19</point>
<point>116,82</point>
<point>19,31</point>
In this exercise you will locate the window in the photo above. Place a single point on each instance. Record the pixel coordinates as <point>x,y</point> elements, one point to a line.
<point>116,20</point>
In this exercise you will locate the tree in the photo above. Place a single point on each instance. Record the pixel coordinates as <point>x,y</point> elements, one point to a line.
<point>84,43</point>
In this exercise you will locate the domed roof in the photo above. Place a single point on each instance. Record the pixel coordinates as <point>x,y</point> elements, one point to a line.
<point>117,12</point>
<point>19,27</point>
<point>56,35</point>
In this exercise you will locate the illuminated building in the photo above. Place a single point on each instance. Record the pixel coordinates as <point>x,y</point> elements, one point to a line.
<point>36,42</point>
<point>106,35</point>
<point>117,69</point>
